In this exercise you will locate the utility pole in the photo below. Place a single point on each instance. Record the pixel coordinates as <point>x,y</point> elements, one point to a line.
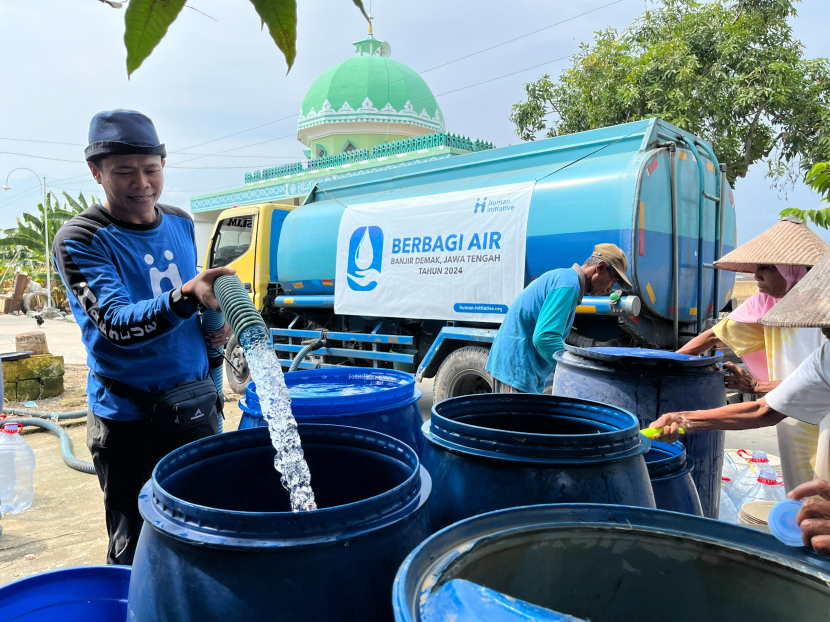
<point>48,254</point>
<point>48,250</point>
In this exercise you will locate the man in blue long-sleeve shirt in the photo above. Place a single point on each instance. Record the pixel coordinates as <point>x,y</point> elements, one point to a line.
<point>130,267</point>
<point>540,318</point>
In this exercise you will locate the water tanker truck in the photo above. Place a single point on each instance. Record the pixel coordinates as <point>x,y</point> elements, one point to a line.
<point>414,267</point>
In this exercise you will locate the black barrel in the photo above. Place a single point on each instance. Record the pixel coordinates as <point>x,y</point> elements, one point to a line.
<point>492,451</point>
<point>650,383</point>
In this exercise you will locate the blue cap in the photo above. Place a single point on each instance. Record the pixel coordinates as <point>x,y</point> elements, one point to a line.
<point>782,523</point>
<point>122,132</point>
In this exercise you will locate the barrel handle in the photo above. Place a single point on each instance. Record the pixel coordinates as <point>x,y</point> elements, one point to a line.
<point>740,455</point>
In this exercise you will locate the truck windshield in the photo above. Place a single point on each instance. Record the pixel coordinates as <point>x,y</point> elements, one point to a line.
<point>232,240</point>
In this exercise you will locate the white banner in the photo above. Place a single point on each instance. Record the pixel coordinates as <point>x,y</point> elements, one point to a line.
<point>453,256</point>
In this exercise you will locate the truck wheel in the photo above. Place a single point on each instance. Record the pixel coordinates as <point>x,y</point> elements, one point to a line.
<point>238,375</point>
<point>463,373</point>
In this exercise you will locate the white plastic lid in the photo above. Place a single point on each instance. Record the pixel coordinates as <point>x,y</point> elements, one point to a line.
<point>782,522</point>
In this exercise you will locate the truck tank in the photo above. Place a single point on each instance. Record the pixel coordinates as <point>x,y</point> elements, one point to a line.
<point>607,185</point>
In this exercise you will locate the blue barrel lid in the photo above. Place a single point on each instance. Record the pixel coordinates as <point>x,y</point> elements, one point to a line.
<point>52,595</point>
<point>334,391</point>
<point>644,356</point>
<point>665,459</point>
<point>782,522</point>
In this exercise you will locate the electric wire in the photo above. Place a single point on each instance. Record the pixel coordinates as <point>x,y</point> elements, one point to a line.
<point>487,49</point>
<point>463,88</point>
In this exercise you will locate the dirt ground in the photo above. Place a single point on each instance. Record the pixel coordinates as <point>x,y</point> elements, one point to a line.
<point>65,525</point>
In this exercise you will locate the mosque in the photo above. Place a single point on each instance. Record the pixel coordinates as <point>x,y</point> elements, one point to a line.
<point>366,114</point>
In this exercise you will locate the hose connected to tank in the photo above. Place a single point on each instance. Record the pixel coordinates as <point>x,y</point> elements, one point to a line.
<point>211,322</point>
<point>298,359</point>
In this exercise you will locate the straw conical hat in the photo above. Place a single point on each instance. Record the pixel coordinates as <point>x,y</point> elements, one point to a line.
<point>808,303</point>
<point>787,243</point>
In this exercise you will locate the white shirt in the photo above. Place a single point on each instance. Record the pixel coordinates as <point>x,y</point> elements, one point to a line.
<point>805,394</point>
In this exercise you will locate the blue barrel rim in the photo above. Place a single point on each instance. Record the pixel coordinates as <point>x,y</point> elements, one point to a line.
<point>670,460</point>
<point>569,359</point>
<point>607,446</point>
<point>309,416</point>
<point>21,589</point>
<point>644,356</point>
<point>402,389</point>
<point>428,561</point>
<point>189,522</point>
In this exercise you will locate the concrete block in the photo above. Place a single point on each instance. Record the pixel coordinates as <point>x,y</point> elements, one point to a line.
<point>38,366</point>
<point>34,342</point>
<point>52,387</point>
<point>10,391</point>
<point>28,390</point>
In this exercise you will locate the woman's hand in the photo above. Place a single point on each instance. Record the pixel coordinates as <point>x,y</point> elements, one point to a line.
<point>814,515</point>
<point>740,379</point>
<point>670,425</point>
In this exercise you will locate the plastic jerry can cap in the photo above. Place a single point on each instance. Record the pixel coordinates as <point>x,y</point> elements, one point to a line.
<point>11,428</point>
<point>759,456</point>
<point>770,478</point>
<point>782,523</point>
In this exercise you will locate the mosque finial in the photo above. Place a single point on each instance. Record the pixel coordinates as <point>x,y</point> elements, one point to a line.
<point>369,17</point>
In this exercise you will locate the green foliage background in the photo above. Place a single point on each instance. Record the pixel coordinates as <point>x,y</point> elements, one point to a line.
<point>24,247</point>
<point>729,71</point>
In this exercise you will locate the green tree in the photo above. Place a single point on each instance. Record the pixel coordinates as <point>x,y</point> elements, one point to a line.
<point>818,178</point>
<point>25,242</point>
<point>729,71</point>
<point>146,23</point>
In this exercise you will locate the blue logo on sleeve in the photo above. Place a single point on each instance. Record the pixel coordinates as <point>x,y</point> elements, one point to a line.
<point>365,257</point>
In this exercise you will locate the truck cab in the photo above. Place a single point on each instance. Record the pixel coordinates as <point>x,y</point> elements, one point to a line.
<point>246,239</point>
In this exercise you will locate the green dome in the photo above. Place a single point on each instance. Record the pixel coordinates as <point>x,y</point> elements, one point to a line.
<point>371,88</point>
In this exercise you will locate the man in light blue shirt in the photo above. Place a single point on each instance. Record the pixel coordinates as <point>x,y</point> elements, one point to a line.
<point>540,318</point>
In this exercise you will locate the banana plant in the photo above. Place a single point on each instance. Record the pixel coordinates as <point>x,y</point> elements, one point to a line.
<point>147,22</point>
<point>28,236</point>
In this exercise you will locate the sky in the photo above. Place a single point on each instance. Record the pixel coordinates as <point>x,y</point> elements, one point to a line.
<point>218,74</point>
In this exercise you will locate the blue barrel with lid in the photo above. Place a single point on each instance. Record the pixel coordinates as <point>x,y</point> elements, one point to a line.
<point>671,478</point>
<point>383,400</point>
<point>70,595</point>
<point>650,383</point>
<point>608,563</point>
<point>220,541</point>
<point>496,450</point>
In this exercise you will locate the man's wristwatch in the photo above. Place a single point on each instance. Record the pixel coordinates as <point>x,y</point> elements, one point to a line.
<point>183,304</point>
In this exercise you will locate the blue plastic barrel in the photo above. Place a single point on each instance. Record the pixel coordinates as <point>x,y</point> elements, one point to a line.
<point>650,383</point>
<point>220,542</point>
<point>383,400</point>
<point>491,451</point>
<point>609,563</point>
<point>671,478</point>
<point>68,595</point>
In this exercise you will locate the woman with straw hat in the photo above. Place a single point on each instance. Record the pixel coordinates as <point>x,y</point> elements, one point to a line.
<point>804,395</point>
<point>779,257</point>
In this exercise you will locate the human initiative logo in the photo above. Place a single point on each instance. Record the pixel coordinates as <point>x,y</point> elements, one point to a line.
<point>365,257</point>
<point>495,205</point>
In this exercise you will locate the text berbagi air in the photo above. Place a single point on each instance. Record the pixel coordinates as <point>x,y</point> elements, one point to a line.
<point>450,256</point>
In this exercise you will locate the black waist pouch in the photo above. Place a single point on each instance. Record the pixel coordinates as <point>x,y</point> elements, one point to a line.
<point>181,407</point>
<point>185,405</point>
